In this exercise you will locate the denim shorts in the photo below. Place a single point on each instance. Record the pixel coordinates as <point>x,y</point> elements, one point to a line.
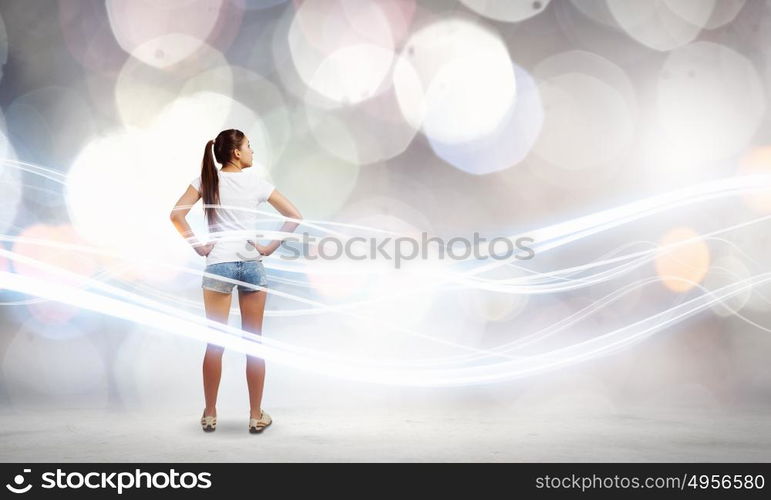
<point>248,271</point>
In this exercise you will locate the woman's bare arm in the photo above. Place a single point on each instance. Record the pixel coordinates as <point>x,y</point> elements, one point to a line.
<point>287,209</point>
<point>178,218</point>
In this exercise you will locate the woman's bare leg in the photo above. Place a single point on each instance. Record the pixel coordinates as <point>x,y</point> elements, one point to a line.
<point>217,305</point>
<point>252,306</point>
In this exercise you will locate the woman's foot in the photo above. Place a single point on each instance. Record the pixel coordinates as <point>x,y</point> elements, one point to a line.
<point>209,422</point>
<point>259,424</point>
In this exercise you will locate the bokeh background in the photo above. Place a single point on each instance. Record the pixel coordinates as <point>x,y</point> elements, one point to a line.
<point>400,116</point>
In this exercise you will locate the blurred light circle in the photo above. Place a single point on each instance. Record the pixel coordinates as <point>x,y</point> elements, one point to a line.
<point>696,12</point>
<point>454,79</point>
<point>351,74</point>
<point>49,124</point>
<point>42,372</point>
<point>596,10</point>
<point>259,107</point>
<point>93,211</point>
<point>722,11</point>
<point>178,48</point>
<point>141,91</point>
<point>88,36</point>
<point>305,171</point>
<point>228,28</point>
<point>594,30</point>
<point>591,117</point>
<point>710,101</point>
<point>581,61</point>
<point>587,122</point>
<point>682,267</point>
<point>362,211</point>
<point>374,130</point>
<point>327,25</point>
<point>51,313</point>
<point>655,24</point>
<point>11,187</point>
<point>726,271</point>
<point>282,62</point>
<point>509,143</point>
<point>590,110</point>
<point>183,115</point>
<point>162,34</point>
<point>507,10</point>
<point>83,265</point>
<point>342,49</point>
<point>757,161</point>
<point>158,162</point>
<point>725,13</point>
<point>400,14</point>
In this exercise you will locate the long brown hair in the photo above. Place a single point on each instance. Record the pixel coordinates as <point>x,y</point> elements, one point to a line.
<point>224,144</point>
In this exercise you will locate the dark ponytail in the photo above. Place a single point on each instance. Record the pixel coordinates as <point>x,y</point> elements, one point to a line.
<point>210,180</point>
<point>224,144</point>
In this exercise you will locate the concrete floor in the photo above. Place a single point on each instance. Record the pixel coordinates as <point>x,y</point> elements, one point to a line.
<point>396,435</point>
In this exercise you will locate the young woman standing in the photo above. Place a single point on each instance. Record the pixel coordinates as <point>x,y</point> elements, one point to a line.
<point>224,191</point>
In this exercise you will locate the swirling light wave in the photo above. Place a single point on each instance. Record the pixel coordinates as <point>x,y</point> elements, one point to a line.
<point>474,365</point>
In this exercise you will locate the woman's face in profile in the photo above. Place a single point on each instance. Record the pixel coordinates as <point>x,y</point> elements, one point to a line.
<point>246,152</point>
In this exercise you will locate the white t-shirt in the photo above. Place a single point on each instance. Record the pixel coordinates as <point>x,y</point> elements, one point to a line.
<point>237,189</point>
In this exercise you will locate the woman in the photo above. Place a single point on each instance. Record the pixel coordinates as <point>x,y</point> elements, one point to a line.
<point>233,256</point>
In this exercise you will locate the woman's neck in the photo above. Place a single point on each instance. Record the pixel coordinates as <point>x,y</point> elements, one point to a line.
<point>232,168</point>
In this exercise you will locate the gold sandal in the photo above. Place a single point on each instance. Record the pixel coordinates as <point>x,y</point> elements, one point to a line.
<point>208,423</point>
<point>259,424</point>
